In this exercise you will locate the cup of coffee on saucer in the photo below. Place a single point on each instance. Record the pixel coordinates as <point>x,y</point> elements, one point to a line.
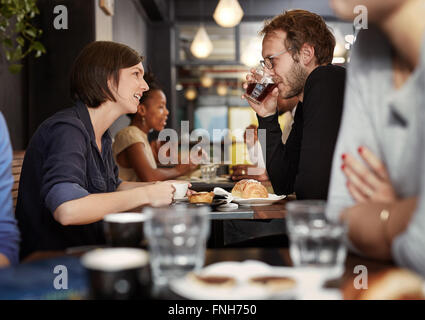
<point>181,190</point>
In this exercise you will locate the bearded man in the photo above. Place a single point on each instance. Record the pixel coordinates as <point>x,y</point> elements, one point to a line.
<point>297,51</point>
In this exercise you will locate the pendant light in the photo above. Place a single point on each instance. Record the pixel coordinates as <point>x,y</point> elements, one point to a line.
<point>191,93</point>
<point>222,89</point>
<point>228,13</point>
<point>201,46</point>
<point>206,81</point>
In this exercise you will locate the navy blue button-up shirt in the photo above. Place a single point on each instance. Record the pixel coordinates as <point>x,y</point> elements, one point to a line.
<point>62,163</point>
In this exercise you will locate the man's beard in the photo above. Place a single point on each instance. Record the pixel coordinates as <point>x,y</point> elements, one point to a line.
<point>295,81</point>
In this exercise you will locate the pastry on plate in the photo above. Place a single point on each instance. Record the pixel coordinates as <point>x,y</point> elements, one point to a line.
<point>201,197</point>
<point>212,280</point>
<point>249,188</point>
<point>391,284</point>
<point>273,283</point>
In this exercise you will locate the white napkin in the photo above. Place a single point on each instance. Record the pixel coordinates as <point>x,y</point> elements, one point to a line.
<point>221,192</point>
<point>229,198</point>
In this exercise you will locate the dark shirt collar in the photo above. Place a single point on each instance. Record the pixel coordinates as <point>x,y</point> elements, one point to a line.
<point>83,114</point>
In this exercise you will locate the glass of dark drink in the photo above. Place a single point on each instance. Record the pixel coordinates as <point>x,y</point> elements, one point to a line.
<point>257,91</point>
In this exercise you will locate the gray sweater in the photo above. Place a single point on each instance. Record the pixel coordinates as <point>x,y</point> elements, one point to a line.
<point>388,121</point>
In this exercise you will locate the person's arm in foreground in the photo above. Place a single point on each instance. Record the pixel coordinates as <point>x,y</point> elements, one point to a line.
<point>9,234</point>
<point>380,216</point>
<point>373,226</point>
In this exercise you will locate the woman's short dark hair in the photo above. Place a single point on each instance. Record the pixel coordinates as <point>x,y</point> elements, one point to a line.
<point>98,62</point>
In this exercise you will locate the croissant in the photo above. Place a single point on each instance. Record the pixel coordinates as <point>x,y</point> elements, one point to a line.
<point>249,188</point>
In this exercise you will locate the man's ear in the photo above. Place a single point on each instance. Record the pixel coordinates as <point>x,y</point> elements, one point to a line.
<point>307,54</point>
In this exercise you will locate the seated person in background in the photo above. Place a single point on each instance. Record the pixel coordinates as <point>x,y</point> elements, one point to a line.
<point>156,144</point>
<point>379,159</point>
<point>69,179</point>
<point>298,49</point>
<point>131,148</point>
<point>9,234</point>
<point>257,170</point>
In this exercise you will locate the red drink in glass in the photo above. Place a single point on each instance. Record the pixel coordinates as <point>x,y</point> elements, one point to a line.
<point>256,92</point>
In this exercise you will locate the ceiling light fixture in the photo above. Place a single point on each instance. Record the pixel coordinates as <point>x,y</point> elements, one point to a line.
<point>228,13</point>
<point>201,46</point>
<point>206,81</point>
<point>222,89</point>
<point>190,94</point>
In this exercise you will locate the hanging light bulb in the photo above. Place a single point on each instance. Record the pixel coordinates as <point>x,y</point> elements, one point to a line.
<point>201,46</point>
<point>190,93</point>
<point>206,81</point>
<point>222,89</point>
<point>228,13</point>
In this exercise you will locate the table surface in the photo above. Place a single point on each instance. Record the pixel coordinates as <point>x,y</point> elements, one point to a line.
<point>37,264</point>
<point>276,210</point>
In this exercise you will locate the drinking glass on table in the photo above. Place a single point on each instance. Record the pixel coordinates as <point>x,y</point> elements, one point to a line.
<point>177,241</point>
<point>209,172</point>
<point>317,246</point>
<point>315,241</point>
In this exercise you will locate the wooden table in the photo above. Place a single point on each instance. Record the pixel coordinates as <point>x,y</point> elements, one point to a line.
<point>276,210</point>
<point>271,256</point>
<point>245,217</point>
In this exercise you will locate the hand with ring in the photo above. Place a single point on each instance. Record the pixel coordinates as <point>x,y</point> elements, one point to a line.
<point>367,181</point>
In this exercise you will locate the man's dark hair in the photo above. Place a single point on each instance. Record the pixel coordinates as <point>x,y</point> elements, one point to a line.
<point>98,62</point>
<point>301,27</point>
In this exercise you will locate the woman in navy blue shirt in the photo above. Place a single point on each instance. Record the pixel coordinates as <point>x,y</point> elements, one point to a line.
<point>69,179</point>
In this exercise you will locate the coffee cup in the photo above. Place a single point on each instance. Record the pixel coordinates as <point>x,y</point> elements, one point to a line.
<point>118,273</point>
<point>181,189</point>
<point>124,229</point>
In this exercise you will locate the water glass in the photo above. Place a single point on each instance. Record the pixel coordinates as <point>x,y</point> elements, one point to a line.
<point>177,239</point>
<point>209,172</point>
<point>315,241</point>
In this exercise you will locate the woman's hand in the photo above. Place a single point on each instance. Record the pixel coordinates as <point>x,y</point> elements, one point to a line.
<point>269,104</point>
<point>370,182</point>
<point>160,193</point>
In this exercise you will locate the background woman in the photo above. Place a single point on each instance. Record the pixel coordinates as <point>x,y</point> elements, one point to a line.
<point>131,147</point>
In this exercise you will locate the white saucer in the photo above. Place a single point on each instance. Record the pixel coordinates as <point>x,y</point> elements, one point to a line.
<point>181,199</point>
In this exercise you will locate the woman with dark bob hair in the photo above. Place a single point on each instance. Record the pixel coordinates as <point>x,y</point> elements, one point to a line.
<point>69,179</point>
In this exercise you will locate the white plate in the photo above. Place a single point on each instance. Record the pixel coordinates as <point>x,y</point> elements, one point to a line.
<point>242,290</point>
<point>259,201</point>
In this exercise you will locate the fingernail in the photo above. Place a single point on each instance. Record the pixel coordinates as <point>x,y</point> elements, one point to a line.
<point>360,149</point>
<point>343,156</point>
<point>343,167</point>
